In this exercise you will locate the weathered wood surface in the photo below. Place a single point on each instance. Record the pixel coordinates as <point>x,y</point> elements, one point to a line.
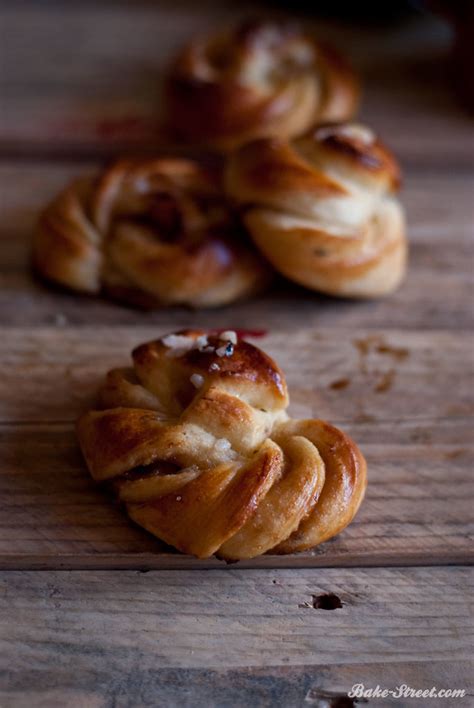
<point>110,639</point>
<point>94,86</point>
<point>398,393</point>
<point>368,376</point>
<point>394,373</point>
<point>79,82</point>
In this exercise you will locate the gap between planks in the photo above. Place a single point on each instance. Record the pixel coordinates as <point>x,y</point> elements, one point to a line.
<point>174,561</point>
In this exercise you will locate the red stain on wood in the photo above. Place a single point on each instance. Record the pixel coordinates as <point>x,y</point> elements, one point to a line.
<point>397,353</point>
<point>339,384</point>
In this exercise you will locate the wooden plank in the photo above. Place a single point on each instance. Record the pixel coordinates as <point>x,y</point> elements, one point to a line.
<point>417,509</point>
<point>106,97</point>
<point>440,217</point>
<point>402,395</point>
<point>107,639</point>
<point>340,374</point>
<point>289,686</point>
<point>392,373</point>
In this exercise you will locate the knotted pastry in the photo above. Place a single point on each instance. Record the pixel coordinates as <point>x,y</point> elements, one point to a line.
<point>149,232</point>
<point>260,79</point>
<point>323,210</point>
<point>195,441</point>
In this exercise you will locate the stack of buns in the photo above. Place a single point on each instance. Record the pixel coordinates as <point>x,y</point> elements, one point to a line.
<point>299,190</point>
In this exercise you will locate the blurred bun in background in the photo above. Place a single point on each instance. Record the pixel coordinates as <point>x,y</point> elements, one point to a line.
<point>259,79</point>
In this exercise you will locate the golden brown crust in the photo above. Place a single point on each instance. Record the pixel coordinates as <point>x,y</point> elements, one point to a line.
<point>148,232</point>
<point>261,78</point>
<point>323,210</point>
<point>344,486</point>
<point>196,442</point>
<point>67,245</point>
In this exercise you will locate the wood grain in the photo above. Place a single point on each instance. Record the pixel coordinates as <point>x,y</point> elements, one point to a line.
<point>418,445</point>
<point>54,517</point>
<point>393,372</point>
<point>80,83</point>
<point>108,639</point>
<point>340,374</point>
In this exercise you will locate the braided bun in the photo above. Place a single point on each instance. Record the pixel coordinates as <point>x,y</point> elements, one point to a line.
<point>148,232</point>
<point>323,210</point>
<point>260,79</point>
<point>195,441</point>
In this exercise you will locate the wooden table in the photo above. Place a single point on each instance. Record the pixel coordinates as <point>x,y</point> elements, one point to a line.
<point>82,624</point>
